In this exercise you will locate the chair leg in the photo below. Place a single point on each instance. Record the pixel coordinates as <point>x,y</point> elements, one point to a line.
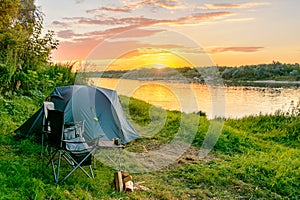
<point>51,161</point>
<point>70,160</point>
<point>58,166</point>
<point>78,165</point>
<point>91,171</point>
<point>54,172</point>
<point>51,156</point>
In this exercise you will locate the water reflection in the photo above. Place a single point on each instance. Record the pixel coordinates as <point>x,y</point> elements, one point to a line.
<point>157,94</point>
<point>239,101</point>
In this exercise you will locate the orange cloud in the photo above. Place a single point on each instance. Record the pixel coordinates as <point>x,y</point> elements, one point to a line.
<point>141,33</point>
<point>117,21</point>
<point>166,4</point>
<point>234,49</point>
<point>128,23</point>
<point>143,21</point>
<point>203,16</point>
<point>110,9</point>
<point>69,34</point>
<point>233,5</point>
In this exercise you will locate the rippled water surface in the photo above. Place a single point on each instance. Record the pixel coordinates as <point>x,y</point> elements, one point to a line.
<point>225,101</point>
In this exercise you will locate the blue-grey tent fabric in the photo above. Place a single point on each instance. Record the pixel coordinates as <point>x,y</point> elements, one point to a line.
<point>100,108</point>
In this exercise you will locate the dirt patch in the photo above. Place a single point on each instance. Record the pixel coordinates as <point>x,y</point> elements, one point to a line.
<point>192,156</point>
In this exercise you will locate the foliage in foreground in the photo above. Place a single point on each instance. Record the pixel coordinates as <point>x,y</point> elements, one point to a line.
<point>255,157</point>
<point>37,84</point>
<point>24,49</point>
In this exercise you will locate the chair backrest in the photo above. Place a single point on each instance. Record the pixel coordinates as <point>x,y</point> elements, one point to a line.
<point>55,120</point>
<point>46,106</point>
<point>73,129</point>
<point>73,136</point>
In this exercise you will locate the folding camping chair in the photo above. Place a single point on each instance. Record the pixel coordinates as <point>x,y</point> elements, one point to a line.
<point>69,143</point>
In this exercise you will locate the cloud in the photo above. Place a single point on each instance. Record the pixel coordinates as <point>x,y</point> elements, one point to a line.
<point>114,49</point>
<point>144,21</point>
<point>233,5</point>
<point>74,18</point>
<point>239,19</point>
<point>70,34</point>
<point>118,25</point>
<point>107,20</point>
<point>234,49</point>
<point>203,16</point>
<point>110,9</point>
<point>116,21</point>
<point>168,4</point>
<point>131,6</point>
<point>66,34</point>
<point>79,1</point>
<point>58,23</point>
<point>113,31</point>
<point>140,33</point>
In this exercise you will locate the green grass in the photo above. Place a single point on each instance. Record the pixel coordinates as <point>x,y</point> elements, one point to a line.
<point>254,158</point>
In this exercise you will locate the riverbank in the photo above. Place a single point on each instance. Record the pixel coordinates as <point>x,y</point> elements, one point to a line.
<point>263,83</point>
<point>209,81</point>
<point>276,82</point>
<point>254,157</point>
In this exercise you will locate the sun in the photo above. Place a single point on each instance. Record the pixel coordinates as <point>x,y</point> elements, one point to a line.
<point>159,66</point>
<point>149,58</point>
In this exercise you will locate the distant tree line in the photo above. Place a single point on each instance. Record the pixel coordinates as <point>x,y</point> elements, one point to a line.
<point>275,71</point>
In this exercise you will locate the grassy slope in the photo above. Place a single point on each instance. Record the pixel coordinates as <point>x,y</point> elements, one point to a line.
<point>255,157</point>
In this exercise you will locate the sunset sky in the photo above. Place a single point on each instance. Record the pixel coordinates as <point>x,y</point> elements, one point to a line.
<point>174,32</point>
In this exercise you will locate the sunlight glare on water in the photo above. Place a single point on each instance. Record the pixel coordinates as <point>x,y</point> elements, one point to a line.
<point>157,95</point>
<point>239,101</point>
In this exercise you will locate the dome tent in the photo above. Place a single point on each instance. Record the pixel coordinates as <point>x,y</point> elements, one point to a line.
<point>100,108</point>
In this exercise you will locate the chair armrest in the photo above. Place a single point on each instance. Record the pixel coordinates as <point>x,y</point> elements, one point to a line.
<point>95,141</point>
<point>77,144</point>
<point>74,142</point>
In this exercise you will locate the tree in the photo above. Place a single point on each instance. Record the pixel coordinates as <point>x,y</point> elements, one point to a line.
<point>22,46</point>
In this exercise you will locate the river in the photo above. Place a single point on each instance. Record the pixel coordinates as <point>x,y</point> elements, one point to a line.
<point>215,101</point>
